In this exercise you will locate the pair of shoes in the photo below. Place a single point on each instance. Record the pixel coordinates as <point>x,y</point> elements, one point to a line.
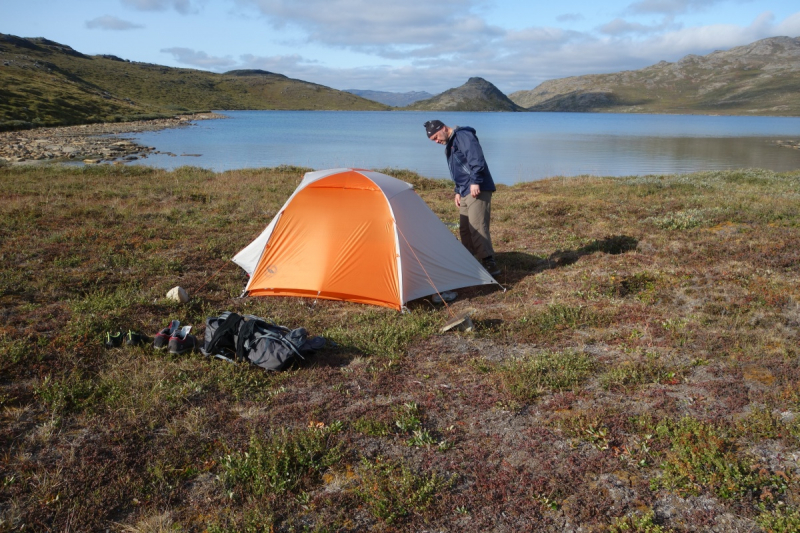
<point>132,338</point>
<point>175,338</point>
<point>491,266</point>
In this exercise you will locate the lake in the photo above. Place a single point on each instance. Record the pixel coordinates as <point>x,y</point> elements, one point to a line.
<point>518,146</point>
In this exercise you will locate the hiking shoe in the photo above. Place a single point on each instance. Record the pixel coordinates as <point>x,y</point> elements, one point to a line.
<point>133,338</point>
<point>181,342</point>
<point>491,266</point>
<point>113,340</point>
<point>161,342</point>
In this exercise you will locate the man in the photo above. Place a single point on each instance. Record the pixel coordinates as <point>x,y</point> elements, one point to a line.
<point>474,188</point>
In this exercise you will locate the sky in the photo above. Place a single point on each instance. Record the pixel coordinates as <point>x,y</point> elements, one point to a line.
<point>404,45</point>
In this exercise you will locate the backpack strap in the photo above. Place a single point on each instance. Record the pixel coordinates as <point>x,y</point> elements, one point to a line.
<point>229,327</point>
<point>246,330</point>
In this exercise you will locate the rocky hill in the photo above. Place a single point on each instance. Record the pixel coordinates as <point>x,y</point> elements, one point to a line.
<point>475,95</point>
<point>44,83</point>
<point>762,78</point>
<point>390,98</point>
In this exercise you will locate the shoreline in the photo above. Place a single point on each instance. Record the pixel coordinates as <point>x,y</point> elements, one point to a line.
<point>87,143</point>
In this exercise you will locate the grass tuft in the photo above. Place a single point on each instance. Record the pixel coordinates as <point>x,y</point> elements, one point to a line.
<point>526,379</point>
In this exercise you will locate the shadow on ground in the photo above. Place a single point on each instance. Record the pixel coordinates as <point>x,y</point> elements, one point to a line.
<point>518,265</point>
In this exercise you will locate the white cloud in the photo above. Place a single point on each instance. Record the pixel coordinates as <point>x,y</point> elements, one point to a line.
<point>196,58</point>
<point>570,17</point>
<point>411,28</point>
<point>669,7</point>
<point>790,27</point>
<point>619,27</point>
<point>181,6</point>
<point>512,60</point>
<point>543,35</point>
<point>288,65</point>
<point>705,39</point>
<point>110,22</point>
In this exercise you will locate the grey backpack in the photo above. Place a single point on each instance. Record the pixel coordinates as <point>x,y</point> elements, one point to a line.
<point>250,338</point>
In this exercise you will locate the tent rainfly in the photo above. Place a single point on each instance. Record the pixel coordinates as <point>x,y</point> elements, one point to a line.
<point>358,236</point>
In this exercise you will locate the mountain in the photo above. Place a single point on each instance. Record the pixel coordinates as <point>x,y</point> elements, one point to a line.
<point>475,95</point>
<point>392,99</point>
<point>44,83</point>
<point>762,78</point>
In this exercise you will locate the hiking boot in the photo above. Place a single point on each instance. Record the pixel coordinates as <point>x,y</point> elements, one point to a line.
<point>181,342</point>
<point>491,266</point>
<point>113,340</point>
<point>161,342</point>
<point>132,338</point>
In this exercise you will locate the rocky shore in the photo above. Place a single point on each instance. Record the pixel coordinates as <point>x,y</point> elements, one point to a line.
<point>789,144</point>
<point>89,143</point>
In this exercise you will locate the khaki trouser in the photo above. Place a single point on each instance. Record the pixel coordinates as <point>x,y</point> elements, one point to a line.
<point>474,215</point>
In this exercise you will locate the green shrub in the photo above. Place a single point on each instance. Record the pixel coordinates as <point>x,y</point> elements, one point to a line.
<point>371,427</point>
<point>391,491</point>
<point>282,463</point>
<point>782,519</point>
<point>632,373</point>
<point>703,457</point>
<point>683,220</point>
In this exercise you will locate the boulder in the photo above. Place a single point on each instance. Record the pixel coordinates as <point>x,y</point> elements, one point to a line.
<point>178,294</point>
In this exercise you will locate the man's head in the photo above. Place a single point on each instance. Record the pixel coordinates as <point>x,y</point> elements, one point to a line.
<point>437,131</point>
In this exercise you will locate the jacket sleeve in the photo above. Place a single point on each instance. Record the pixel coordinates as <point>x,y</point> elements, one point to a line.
<point>469,146</point>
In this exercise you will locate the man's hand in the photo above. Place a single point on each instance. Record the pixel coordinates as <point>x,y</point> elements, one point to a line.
<point>458,200</point>
<point>474,190</point>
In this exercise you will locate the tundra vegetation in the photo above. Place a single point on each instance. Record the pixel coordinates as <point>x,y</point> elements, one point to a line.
<point>640,372</point>
<point>44,83</point>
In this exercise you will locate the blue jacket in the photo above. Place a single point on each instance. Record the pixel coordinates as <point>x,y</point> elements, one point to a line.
<point>466,161</point>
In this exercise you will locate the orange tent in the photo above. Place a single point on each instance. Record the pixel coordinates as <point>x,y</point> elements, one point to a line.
<point>358,236</point>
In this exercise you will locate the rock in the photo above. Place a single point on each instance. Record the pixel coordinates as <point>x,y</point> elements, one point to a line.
<point>461,322</point>
<point>178,294</point>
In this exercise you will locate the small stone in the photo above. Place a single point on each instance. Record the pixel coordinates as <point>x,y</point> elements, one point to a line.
<point>178,294</point>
